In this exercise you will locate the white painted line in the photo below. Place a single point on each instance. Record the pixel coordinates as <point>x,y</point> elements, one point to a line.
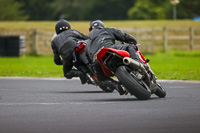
<point>30,104</point>
<point>180,81</point>
<point>72,103</point>
<point>62,78</point>
<point>37,78</point>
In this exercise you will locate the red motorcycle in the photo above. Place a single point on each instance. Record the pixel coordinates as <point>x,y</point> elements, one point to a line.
<point>132,75</point>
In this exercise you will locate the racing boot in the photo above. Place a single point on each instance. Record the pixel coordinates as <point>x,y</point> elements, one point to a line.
<point>104,85</point>
<point>111,85</point>
<point>76,73</point>
<point>82,77</point>
<point>119,88</point>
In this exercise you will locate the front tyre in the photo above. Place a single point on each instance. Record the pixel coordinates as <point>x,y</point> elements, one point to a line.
<point>133,86</point>
<point>160,91</point>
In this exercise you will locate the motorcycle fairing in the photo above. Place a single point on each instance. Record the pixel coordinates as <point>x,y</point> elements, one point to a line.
<point>105,50</point>
<point>78,49</point>
<point>102,60</point>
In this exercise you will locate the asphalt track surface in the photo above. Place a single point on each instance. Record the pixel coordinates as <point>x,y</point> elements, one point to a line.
<point>65,106</point>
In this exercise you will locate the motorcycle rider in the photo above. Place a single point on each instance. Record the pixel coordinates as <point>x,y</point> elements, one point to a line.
<point>63,45</point>
<point>102,37</point>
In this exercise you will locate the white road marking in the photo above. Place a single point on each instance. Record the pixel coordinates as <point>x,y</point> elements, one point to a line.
<point>62,78</point>
<point>72,103</point>
<point>30,104</point>
<point>180,81</point>
<point>35,78</point>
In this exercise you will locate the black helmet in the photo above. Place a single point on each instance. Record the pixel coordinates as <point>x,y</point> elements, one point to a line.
<point>62,25</point>
<point>98,24</point>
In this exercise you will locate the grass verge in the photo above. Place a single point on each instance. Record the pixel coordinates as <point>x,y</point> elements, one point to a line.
<point>170,65</point>
<point>176,65</point>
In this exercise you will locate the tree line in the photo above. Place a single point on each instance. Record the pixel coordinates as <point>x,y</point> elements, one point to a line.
<point>96,9</point>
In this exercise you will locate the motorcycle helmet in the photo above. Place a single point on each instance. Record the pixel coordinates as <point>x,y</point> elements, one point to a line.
<point>98,24</point>
<point>62,25</point>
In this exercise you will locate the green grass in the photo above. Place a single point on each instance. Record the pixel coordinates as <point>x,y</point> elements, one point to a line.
<point>176,65</point>
<point>171,65</point>
<point>30,66</point>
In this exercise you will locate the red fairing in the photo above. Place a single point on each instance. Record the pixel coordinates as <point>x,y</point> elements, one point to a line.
<point>105,50</point>
<point>106,71</point>
<point>80,48</point>
<point>100,55</point>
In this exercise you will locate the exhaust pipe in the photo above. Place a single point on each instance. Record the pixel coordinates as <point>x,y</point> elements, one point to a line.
<point>136,65</point>
<point>132,63</point>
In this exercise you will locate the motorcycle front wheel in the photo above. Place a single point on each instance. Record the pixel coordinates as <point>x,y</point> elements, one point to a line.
<point>139,89</point>
<point>160,91</point>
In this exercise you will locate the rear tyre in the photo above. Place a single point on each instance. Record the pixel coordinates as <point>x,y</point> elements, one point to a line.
<point>139,89</point>
<point>160,91</point>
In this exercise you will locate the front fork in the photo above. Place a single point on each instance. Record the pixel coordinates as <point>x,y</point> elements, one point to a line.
<point>153,85</point>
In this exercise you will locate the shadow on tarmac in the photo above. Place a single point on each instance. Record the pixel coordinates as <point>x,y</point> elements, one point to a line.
<point>122,99</point>
<point>77,92</point>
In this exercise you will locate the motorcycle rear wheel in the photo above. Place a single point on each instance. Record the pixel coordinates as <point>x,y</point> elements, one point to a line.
<point>132,84</point>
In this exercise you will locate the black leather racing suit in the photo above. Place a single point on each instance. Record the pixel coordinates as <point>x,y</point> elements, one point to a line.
<point>62,46</point>
<point>106,37</point>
